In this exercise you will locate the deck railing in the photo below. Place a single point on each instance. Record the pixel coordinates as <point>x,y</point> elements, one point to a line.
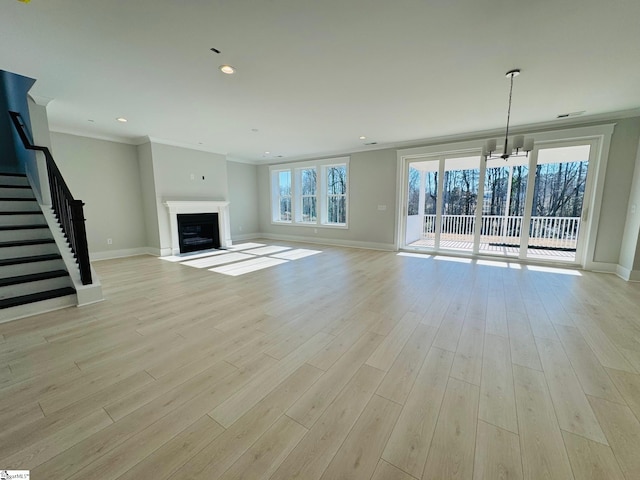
<point>544,232</point>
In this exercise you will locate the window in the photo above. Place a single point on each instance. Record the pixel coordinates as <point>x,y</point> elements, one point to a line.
<point>311,193</point>
<point>337,195</point>
<point>284,196</point>
<point>308,205</point>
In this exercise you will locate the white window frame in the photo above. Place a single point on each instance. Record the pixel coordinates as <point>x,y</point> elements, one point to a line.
<point>598,135</point>
<point>321,167</point>
<point>276,198</point>
<point>299,199</point>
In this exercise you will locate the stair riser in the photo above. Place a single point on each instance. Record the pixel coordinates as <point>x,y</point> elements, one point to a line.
<point>35,308</point>
<point>29,234</point>
<point>16,192</point>
<point>6,180</point>
<point>20,289</point>
<point>19,206</point>
<point>22,219</point>
<point>29,268</point>
<point>28,250</point>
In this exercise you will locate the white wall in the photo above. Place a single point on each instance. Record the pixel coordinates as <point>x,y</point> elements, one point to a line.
<point>242,180</point>
<point>105,176</point>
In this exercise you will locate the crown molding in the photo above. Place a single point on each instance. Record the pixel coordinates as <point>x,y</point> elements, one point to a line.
<point>531,128</point>
<point>95,136</point>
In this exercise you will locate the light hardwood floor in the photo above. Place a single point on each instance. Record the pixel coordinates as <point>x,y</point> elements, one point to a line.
<point>348,364</point>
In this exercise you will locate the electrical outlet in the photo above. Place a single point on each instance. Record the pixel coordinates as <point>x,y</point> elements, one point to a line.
<point>109,241</point>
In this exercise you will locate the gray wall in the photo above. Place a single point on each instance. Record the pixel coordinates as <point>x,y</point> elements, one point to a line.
<point>183,174</point>
<point>630,248</point>
<point>148,192</point>
<point>242,181</point>
<point>37,168</point>
<point>372,182</point>
<point>617,188</point>
<point>106,177</point>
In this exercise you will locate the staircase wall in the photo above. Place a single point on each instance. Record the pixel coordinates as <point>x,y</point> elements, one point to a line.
<point>13,97</point>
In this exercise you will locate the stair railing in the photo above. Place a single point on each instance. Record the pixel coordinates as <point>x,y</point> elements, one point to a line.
<point>69,211</point>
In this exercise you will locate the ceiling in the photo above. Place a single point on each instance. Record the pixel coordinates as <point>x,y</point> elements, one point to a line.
<point>313,76</point>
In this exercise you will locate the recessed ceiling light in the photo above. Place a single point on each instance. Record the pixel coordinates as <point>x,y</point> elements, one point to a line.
<point>362,137</point>
<point>228,69</point>
<point>267,153</point>
<point>122,120</point>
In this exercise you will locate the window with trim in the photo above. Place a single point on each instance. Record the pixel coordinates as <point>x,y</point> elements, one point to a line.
<point>283,189</point>
<point>311,193</point>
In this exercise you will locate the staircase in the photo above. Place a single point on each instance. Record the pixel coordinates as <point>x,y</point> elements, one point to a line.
<point>33,277</point>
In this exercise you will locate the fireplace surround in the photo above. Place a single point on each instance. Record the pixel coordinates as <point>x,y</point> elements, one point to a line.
<point>180,207</point>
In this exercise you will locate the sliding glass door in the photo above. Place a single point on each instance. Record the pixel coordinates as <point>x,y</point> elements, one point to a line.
<point>524,207</point>
<point>503,206</point>
<point>459,203</point>
<point>557,203</point>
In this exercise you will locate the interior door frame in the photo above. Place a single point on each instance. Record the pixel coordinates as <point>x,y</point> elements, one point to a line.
<point>598,136</point>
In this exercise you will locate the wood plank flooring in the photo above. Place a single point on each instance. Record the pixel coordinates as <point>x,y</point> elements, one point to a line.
<point>348,364</point>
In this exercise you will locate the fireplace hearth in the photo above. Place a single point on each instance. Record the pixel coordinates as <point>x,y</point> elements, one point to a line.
<point>198,231</point>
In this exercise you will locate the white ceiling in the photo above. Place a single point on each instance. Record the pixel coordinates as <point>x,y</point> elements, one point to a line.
<point>314,75</point>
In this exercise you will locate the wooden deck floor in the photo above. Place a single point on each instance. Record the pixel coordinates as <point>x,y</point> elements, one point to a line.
<point>462,244</point>
<point>350,364</point>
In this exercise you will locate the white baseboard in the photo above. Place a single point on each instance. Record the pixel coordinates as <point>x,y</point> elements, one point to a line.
<point>329,241</point>
<point>244,236</point>
<point>627,274</point>
<point>601,267</point>
<point>127,252</point>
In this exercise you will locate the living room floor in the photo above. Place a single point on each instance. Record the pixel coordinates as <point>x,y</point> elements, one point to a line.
<point>345,363</point>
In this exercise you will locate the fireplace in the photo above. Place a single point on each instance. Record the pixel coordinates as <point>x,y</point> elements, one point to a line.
<point>191,209</point>
<point>198,231</point>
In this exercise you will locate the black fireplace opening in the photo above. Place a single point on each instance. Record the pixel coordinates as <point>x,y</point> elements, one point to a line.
<point>198,231</point>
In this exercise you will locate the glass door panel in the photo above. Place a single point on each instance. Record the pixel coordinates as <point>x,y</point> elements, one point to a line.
<point>421,204</point>
<point>558,196</point>
<point>459,203</point>
<point>505,188</point>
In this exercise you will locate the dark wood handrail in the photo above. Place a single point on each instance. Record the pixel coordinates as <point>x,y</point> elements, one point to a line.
<point>69,211</point>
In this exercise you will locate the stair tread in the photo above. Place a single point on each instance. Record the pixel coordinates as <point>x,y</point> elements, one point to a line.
<point>36,297</point>
<point>4,185</point>
<point>21,243</point>
<point>33,226</point>
<point>18,199</point>
<point>12,174</point>
<point>27,212</point>
<point>35,258</point>
<point>33,277</point>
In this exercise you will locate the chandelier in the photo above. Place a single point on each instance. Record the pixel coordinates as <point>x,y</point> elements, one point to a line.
<point>519,146</point>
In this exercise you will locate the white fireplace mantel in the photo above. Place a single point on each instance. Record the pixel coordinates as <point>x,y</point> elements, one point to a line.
<point>199,206</point>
